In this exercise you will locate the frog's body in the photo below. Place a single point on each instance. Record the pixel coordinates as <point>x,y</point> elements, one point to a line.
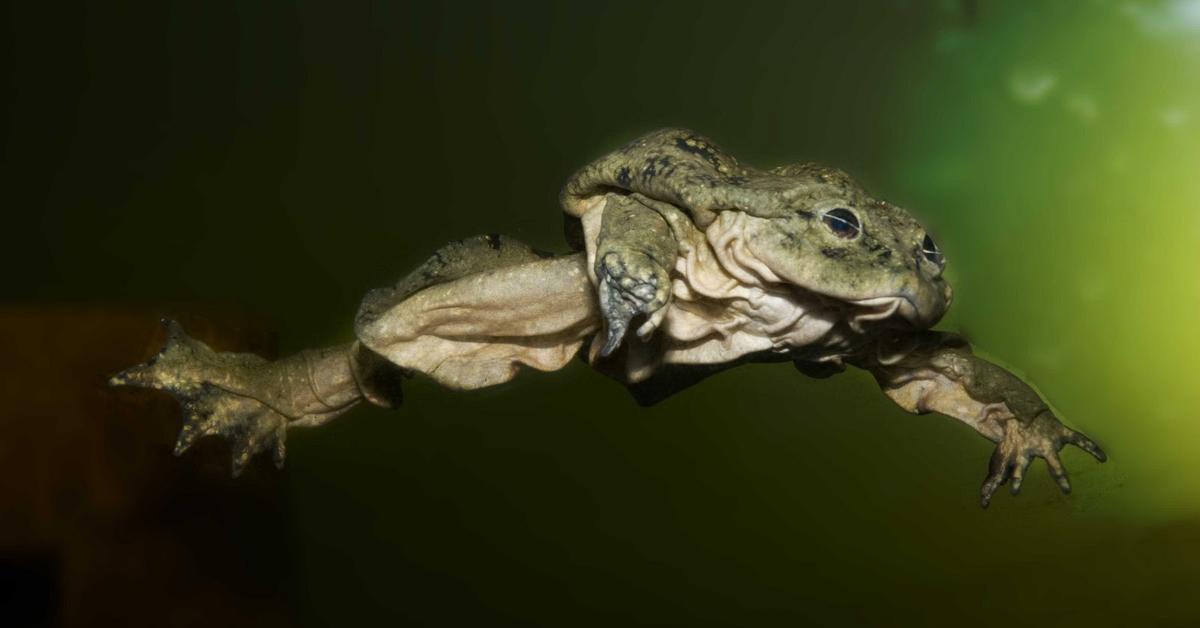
<point>717,262</point>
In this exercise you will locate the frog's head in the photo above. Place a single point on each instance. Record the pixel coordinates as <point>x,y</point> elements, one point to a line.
<point>828,237</point>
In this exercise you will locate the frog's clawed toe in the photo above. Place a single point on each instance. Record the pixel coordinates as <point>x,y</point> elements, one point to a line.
<point>1043,437</point>
<point>249,426</point>
<point>630,284</point>
<point>197,377</point>
<point>168,369</point>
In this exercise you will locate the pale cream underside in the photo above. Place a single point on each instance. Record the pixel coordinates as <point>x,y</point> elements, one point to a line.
<point>725,303</point>
<point>477,331</point>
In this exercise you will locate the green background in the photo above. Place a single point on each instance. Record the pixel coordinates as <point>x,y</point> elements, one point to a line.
<point>283,158</point>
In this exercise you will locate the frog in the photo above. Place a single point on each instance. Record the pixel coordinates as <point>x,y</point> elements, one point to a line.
<point>683,262</point>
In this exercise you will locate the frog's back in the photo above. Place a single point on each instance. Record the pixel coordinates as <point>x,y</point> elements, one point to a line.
<point>688,170</point>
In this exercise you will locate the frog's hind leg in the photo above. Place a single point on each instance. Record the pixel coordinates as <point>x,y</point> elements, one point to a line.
<point>481,309</point>
<point>252,401</point>
<point>469,317</point>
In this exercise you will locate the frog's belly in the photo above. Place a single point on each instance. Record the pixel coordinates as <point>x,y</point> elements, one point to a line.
<point>700,330</point>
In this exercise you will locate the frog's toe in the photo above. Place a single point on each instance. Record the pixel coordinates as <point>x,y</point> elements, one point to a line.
<point>618,311</point>
<point>641,280</point>
<point>201,380</point>
<point>250,426</point>
<point>1083,442</point>
<point>630,283</point>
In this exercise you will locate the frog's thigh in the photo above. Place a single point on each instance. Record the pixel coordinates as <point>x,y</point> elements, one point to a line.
<point>478,330</point>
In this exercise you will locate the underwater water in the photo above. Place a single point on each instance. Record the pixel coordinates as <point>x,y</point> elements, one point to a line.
<point>284,158</point>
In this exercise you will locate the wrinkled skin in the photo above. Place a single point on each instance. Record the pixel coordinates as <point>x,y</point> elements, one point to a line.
<point>684,170</point>
<point>691,262</point>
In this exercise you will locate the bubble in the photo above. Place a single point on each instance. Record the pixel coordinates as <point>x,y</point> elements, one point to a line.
<point>1082,106</point>
<point>1032,87</point>
<point>1174,117</point>
<point>1172,17</point>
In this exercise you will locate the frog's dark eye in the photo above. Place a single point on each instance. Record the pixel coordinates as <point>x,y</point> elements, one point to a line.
<point>931,251</point>
<point>842,222</point>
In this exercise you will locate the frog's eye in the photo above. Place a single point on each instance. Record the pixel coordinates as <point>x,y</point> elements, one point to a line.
<point>842,222</point>
<point>930,249</point>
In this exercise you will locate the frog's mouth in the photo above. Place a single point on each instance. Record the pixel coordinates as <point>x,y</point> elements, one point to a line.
<point>874,309</point>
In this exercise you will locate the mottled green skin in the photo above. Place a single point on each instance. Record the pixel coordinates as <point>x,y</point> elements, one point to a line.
<point>687,171</point>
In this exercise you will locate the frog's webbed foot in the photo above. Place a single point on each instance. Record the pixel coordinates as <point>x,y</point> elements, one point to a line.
<point>249,426</point>
<point>1043,437</point>
<point>205,382</point>
<point>631,283</point>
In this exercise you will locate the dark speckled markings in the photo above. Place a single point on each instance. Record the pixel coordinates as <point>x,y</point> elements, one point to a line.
<point>686,169</point>
<point>649,170</point>
<point>623,177</point>
<point>657,166</point>
<point>699,146</point>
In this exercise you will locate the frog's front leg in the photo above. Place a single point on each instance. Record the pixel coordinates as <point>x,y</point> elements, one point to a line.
<point>936,372</point>
<point>635,251</point>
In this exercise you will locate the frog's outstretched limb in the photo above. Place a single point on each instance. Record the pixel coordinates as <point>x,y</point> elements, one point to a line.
<point>936,372</point>
<point>468,317</point>
<point>251,401</point>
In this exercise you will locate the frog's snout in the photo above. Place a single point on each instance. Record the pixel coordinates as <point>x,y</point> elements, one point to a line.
<point>930,300</point>
<point>921,305</point>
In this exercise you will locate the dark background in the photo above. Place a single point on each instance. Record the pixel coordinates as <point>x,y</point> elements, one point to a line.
<point>255,167</point>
